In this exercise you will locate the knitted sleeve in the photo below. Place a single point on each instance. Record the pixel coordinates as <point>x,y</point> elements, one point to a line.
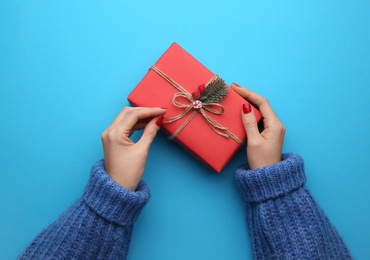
<point>96,226</point>
<point>284,220</point>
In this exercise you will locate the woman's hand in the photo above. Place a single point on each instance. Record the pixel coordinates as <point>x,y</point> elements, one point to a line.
<point>124,159</point>
<point>265,148</point>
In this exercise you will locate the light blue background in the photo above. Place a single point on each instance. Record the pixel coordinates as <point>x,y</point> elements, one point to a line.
<point>67,67</point>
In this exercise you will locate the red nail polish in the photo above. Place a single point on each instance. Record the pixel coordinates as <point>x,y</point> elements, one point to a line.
<point>159,121</point>
<point>247,108</point>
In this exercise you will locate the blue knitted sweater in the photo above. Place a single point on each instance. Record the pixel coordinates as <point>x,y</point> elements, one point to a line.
<point>283,218</point>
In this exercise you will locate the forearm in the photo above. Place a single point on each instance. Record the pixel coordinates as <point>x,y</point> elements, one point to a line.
<point>97,226</point>
<point>284,220</point>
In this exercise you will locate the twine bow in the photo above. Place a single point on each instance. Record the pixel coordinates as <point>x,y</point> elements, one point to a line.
<point>197,106</point>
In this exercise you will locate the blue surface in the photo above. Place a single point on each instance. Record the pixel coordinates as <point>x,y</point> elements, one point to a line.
<point>66,68</point>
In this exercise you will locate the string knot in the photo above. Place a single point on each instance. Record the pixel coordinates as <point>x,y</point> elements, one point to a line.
<point>197,104</point>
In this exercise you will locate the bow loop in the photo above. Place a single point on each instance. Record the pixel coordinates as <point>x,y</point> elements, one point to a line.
<point>176,100</point>
<point>214,108</point>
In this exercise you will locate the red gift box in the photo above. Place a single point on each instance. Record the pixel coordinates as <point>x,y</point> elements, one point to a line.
<point>197,135</point>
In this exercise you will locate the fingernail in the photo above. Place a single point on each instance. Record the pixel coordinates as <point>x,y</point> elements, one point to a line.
<point>234,85</point>
<point>247,108</point>
<point>159,121</point>
<point>164,108</point>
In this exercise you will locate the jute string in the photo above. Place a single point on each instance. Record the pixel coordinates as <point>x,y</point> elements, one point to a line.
<point>214,108</point>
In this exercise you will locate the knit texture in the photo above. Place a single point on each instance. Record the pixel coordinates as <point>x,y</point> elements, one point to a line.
<point>97,226</point>
<point>284,220</point>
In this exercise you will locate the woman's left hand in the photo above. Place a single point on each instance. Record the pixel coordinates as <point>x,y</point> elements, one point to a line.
<point>125,160</point>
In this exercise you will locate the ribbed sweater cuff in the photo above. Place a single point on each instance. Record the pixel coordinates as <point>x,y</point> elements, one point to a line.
<point>112,202</point>
<point>272,181</point>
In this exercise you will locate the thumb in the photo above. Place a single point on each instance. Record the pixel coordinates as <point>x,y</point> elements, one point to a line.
<point>250,122</point>
<point>150,131</point>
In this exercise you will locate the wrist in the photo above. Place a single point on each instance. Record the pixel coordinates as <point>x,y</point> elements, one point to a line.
<point>123,180</point>
<point>260,162</point>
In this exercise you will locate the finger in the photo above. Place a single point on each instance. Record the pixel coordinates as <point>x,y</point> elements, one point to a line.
<point>140,114</point>
<point>250,123</point>
<point>132,118</point>
<point>253,98</point>
<point>150,131</point>
<point>141,123</point>
<point>119,117</point>
<point>133,115</point>
<point>262,103</point>
<point>127,110</point>
<point>138,126</point>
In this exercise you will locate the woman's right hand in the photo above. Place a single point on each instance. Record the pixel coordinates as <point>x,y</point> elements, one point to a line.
<point>265,148</point>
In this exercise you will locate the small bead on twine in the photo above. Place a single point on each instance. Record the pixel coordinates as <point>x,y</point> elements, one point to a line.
<point>197,104</point>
